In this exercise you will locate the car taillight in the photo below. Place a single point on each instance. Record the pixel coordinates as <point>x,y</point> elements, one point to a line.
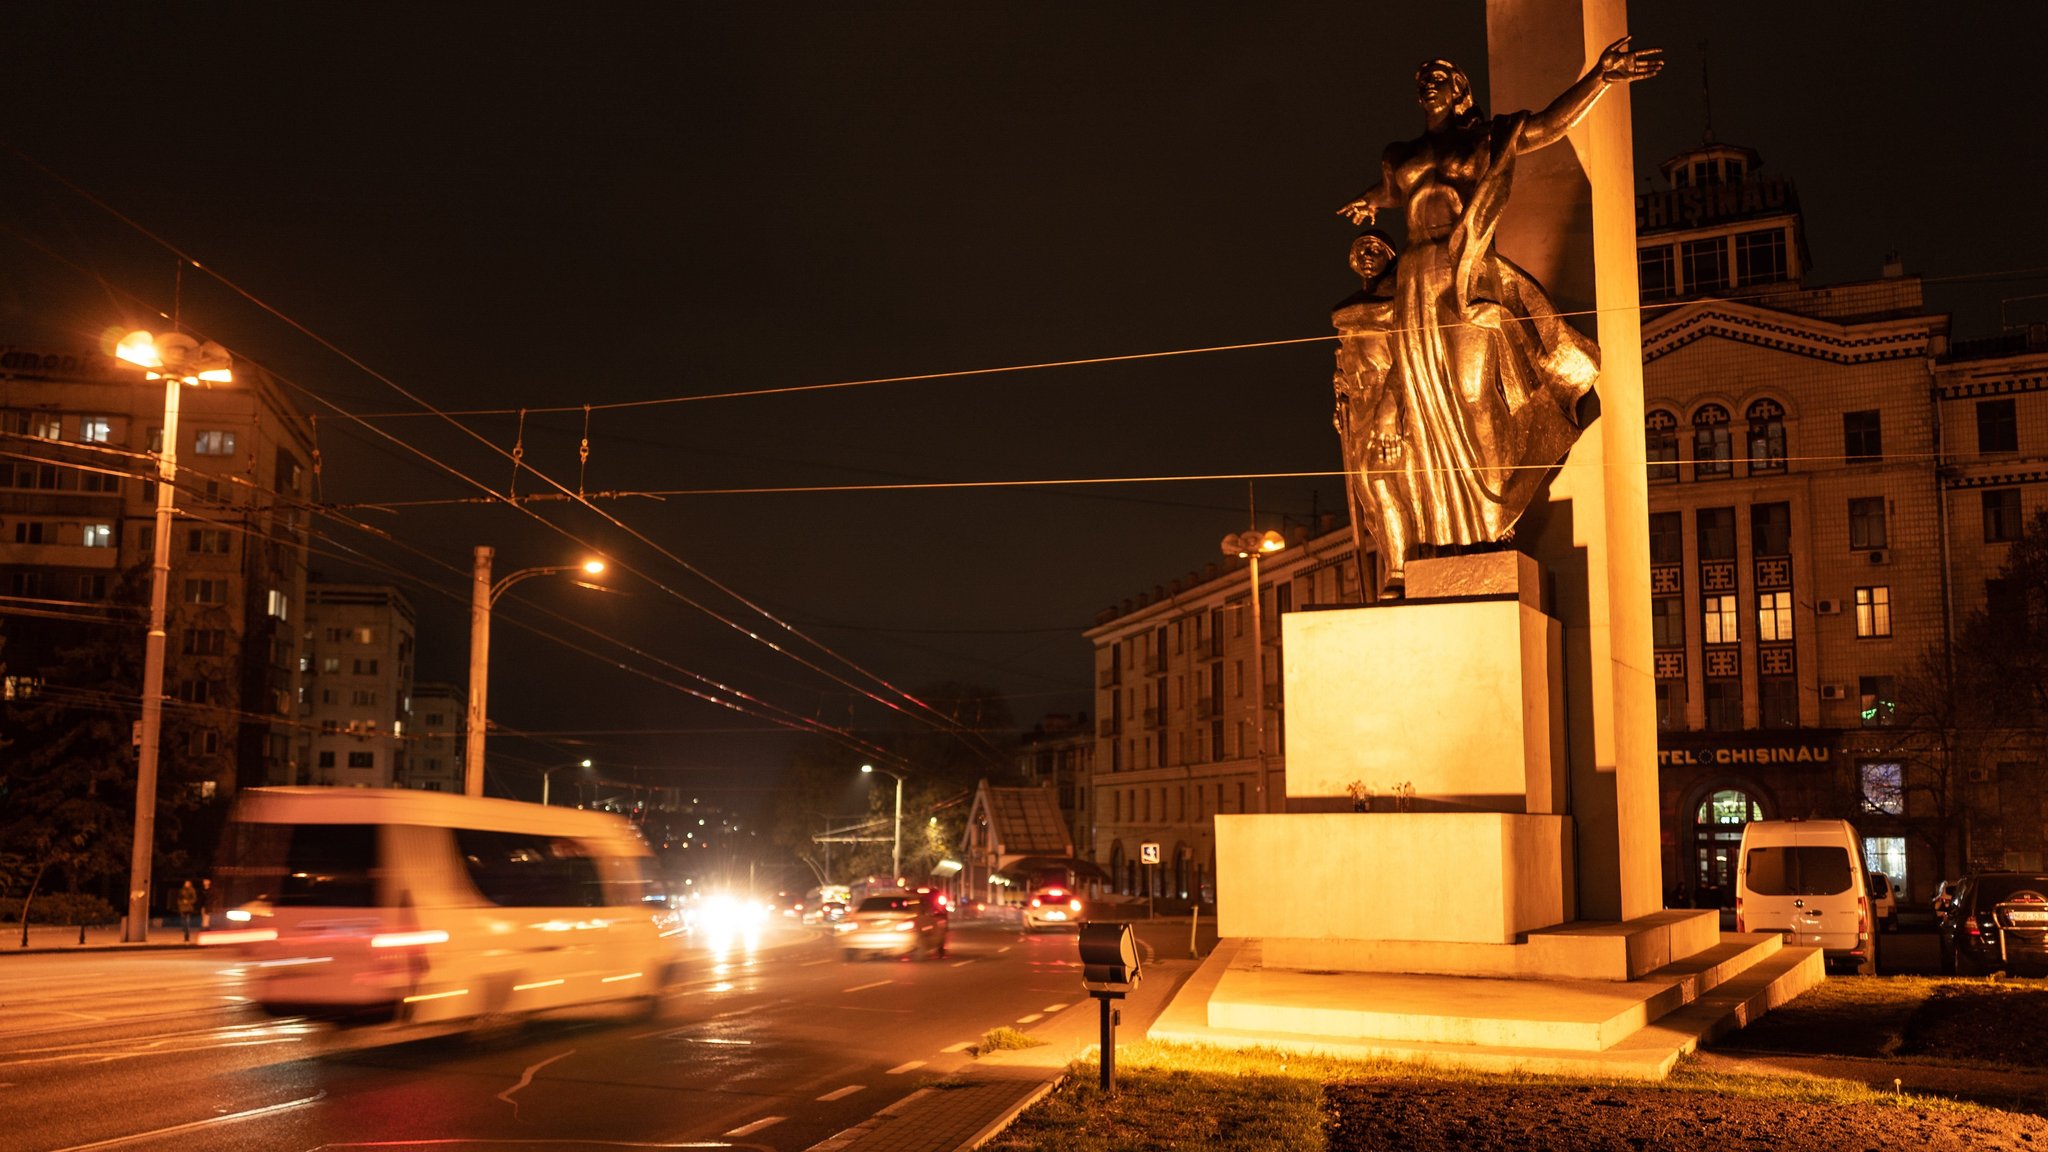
<point>1739,927</point>
<point>1074,904</point>
<point>1972,929</point>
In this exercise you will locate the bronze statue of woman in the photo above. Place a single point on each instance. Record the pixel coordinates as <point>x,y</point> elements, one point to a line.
<point>1484,376</point>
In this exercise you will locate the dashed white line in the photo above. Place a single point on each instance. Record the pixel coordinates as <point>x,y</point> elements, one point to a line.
<point>842,1093</point>
<point>1030,1018</point>
<point>865,987</point>
<point>962,1046</point>
<point>756,1126</point>
<point>1051,1008</point>
<point>1004,948</point>
<point>907,1066</point>
<point>815,963</point>
<point>962,963</point>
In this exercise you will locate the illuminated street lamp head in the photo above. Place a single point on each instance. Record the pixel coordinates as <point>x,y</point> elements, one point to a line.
<point>177,356</point>
<point>1243,545</point>
<point>867,767</point>
<point>594,567</point>
<point>583,763</point>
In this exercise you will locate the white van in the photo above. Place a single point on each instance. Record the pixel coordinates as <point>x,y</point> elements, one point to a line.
<point>370,904</point>
<point>1805,878</point>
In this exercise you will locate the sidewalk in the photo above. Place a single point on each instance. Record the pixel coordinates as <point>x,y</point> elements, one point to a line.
<point>98,938</point>
<point>965,1111</point>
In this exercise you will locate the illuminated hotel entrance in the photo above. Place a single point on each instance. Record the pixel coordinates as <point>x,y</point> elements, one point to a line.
<point>1717,838</point>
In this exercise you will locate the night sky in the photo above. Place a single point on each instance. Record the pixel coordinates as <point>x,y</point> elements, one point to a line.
<point>517,205</point>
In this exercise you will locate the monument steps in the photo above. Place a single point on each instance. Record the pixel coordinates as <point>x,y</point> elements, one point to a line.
<point>1634,1030</point>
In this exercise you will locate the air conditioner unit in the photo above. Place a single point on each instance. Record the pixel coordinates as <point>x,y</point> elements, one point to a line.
<point>1828,607</point>
<point>1833,692</point>
<point>1880,556</point>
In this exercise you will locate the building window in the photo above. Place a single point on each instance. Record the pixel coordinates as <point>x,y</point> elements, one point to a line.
<point>1774,616</point>
<point>1862,437</point>
<point>95,429</point>
<point>2002,523</point>
<point>362,759</point>
<point>1884,786</point>
<point>1712,452</point>
<point>276,605</point>
<point>205,641</point>
<point>207,541</point>
<point>1998,428</point>
<point>1667,537</point>
<point>1718,620</point>
<point>213,442</point>
<point>1724,705</point>
<point>365,667</point>
<point>205,742</point>
<point>1654,267</point>
<point>365,636</point>
<point>34,532</point>
<point>1777,702</point>
<point>206,591</point>
<point>91,481</point>
<point>97,536</point>
<point>1671,705</point>
<point>363,697</point>
<point>44,425</point>
<point>1770,529</point>
<point>1716,531</point>
<point>1660,440</point>
<point>1873,612</point>
<point>1760,257</point>
<point>326,760</point>
<point>1705,263</point>
<point>1866,523</point>
<point>1667,622</point>
<point>1879,697</point>
<point>1766,437</point>
<point>92,586</point>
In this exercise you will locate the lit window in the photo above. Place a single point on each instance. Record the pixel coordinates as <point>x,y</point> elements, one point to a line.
<point>98,536</point>
<point>95,429</point>
<point>1873,612</point>
<point>45,426</point>
<point>1718,613</point>
<point>1879,696</point>
<point>1774,616</point>
<point>213,442</point>
<point>1884,787</point>
<point>278,606</point>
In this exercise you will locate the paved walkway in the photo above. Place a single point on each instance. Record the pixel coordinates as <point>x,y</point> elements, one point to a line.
<point>964,1111</point>
<point>105,938</point>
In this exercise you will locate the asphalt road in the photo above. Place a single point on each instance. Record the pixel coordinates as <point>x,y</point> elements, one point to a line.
<point>777,1050</point>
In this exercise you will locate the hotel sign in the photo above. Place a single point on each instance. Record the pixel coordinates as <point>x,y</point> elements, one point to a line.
<point>1752,753</point>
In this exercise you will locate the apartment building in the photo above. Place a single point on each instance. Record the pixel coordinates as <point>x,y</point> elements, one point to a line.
<point>359,656</point>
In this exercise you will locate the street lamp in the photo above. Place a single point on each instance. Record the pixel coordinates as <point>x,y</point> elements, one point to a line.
<point>176,359</point>
<point>549,774</point>
<point>896,847</point>
<point>483,594</point>
<point>1250,545</point>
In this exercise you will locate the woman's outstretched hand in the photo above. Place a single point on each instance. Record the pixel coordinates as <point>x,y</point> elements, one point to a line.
<point>1620,65</point>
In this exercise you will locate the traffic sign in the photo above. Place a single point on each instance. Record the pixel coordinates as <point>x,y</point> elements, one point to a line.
<point>1148,853</point>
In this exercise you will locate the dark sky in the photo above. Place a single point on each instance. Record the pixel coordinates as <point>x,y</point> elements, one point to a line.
<point>526,205</point>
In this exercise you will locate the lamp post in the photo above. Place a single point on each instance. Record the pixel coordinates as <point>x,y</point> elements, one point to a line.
<point>482,594</point>
<point>177,360</point>
<point>1250,545</point>
<point>549,774</point>
<point>896,841</point>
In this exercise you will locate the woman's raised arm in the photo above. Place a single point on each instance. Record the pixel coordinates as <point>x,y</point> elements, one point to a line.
<point>1619,64</point>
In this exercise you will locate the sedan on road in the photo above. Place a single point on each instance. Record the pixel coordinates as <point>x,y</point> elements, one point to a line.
<point>894,924</point>
<point>1997,922</point>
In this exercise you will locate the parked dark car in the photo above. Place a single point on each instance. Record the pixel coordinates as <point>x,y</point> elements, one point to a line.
<point>1998,921</point>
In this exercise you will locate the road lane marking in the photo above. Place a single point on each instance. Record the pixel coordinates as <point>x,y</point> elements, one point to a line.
<point>906,1066</point>
<point>865,987</point>
<point>1030,1018</point>
<point>756,1126</point>
<point>230,1118</point>
<point>1004,948</point>
<point>843,1093</point>
<point>962,1046</point>
<point>962,963</point>
<point>815,963</point>
<point>1049,1008</point>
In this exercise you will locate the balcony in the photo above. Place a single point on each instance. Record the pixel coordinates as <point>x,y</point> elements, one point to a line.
<point>1108,728</point>
<point>1107,678</point>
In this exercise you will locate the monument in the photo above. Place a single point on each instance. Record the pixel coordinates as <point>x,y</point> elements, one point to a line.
<point>1498,903</point>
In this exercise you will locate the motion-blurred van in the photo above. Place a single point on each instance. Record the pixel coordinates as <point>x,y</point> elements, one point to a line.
<point>364,904</point>
<point>1805,879</point>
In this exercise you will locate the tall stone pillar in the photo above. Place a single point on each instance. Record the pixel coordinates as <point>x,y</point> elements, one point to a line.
<point>1572,226</point>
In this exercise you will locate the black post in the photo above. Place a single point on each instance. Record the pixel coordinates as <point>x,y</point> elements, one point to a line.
<point>1108,1045</point>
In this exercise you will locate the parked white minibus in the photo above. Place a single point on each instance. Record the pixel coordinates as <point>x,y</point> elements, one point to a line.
<point>368,904</point>
<point>1805,879</point>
